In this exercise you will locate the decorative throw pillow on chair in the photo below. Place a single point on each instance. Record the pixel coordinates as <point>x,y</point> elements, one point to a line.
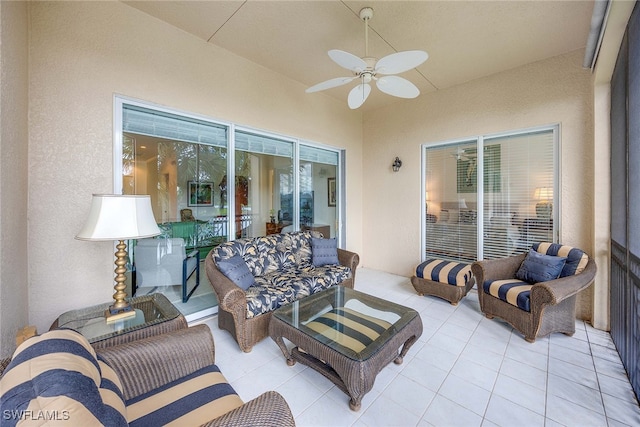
<point>537,267</point>
<point>324,252</point>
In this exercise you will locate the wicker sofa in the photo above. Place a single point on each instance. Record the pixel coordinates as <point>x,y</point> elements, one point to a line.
<point>154,381</point>
<point>282,269</point>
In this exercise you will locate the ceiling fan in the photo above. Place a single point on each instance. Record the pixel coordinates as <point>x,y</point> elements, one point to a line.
<point>369,68</point>
<point>462,154</point>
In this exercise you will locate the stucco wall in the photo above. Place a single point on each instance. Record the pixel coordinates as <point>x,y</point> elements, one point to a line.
<point>556,90</point>
<point>82,53</point>
<point>13,173</point>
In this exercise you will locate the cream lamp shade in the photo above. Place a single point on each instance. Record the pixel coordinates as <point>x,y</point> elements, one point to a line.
<point>119,217</point>
<point>543,193</point>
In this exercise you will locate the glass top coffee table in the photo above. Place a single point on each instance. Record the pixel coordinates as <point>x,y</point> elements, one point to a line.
<point>346,335</point>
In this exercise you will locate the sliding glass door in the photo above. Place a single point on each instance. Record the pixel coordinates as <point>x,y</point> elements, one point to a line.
<point>211,182</point>
<point>263,180</point>
<point>319,190</point>
<point>451,201</point>
<point>493,205</point>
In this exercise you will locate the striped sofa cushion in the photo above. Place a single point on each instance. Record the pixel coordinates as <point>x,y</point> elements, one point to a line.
<point>451,272</point>
<point>349,328</point>
<point>189,401</point>
<point>576,259</point>
<point>56,376</point>
<point>515,292</point>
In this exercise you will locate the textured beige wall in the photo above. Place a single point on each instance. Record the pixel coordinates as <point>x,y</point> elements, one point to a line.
<point>13,173</point>
<point>556,90</point>
<point>82,53</point>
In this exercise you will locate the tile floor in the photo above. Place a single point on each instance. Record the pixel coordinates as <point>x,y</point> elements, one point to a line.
<point>465,370</point>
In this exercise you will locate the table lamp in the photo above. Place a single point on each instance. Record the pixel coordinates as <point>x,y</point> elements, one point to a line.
<point>545,196</point>
<point>119,217</point>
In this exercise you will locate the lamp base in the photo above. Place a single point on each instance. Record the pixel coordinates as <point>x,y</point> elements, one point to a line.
<point>544,209</point>
<point>113,315</point>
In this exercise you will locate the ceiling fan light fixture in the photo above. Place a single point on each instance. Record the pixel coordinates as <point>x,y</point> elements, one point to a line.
<point>367,68</point>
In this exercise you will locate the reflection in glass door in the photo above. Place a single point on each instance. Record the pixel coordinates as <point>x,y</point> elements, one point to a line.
<point>178,161</point>
<point>211,182</point>
<point>319,190</point>
<point>264,178</point>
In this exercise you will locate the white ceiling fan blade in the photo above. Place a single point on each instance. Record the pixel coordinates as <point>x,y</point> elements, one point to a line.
<point>347,60</point>
<point>401,61</point>
<point>397,86</point>
<point>358,95</point>
<point>338,81</point>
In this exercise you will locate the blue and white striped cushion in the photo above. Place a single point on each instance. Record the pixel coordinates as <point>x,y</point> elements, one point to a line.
<point>189,401</point>
<point>515,292</point>
<point>349,328</point>
<point>576,259</point>
<point>451,272</point>
<point>56,376</point>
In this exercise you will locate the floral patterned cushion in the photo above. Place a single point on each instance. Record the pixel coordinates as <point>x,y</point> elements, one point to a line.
<point>282,267</point>
<point>271,253</point>
<point>283,287</point>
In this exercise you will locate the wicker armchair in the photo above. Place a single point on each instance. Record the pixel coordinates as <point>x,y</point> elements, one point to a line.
<point>552,304</point>
<point>144,367</point>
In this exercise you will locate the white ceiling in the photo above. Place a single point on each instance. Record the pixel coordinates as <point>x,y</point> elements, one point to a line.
<point>465,40</point>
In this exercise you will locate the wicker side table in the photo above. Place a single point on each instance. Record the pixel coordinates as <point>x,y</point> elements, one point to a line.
<point>155,315</point>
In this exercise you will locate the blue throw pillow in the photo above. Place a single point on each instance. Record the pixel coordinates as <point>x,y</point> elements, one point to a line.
<point>537,267</point>
<point>237,271</point>
<point>324,252</point>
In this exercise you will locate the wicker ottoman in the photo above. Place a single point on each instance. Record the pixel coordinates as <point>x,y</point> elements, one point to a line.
<point>448,280</point>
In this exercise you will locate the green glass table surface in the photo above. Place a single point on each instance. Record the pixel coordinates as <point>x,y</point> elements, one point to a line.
<point>90,322</point>
<point>299,313</point>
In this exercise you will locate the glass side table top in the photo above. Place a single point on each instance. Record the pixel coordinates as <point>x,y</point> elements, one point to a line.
<point>350,322</point>
<point>90,322</point>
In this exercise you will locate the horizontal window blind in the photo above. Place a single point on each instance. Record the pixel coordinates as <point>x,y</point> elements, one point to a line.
<point>318,155</point>
<point>451,223</point>
<point>518,199</point>
<point>166,125</point>
<point>254,143</point>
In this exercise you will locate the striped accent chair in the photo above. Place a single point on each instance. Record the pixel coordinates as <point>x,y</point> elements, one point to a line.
<point>168,379</point>
<point>535,308</point>
<point>449,280</point>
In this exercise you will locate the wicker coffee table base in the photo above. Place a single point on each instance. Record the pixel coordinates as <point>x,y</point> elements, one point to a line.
<point>353,377</point>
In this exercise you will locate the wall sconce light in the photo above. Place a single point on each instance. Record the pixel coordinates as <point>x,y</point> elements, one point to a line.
<point>397,163</point>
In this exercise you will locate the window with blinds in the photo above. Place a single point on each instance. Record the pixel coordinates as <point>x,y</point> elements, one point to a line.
<point>491,205</point>
<point>519,211</point>
<point>451,224</point>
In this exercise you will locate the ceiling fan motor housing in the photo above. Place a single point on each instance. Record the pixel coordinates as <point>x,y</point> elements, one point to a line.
<point>366,13</point>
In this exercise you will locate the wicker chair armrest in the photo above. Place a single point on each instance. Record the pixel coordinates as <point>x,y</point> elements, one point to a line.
<point>555,291</point>
<point>348,258</point>
<point>267,410</point>
<point>152,362</point>
<point>494,269</point>
<point>231,297</point>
